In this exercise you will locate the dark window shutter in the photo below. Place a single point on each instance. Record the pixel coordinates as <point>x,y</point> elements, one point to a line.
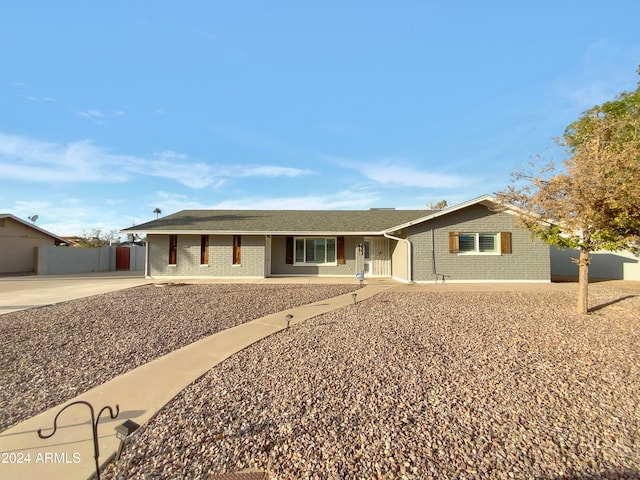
<point>505,242</point>
<point>237,244</point>
<point>204,249</point>
<point>340,251</point>
<point>289,254</point>
<point>454,242</point>
<point>173,249</point>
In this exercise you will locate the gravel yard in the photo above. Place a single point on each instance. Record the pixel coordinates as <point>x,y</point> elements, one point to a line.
<point>418,385</point>
<point>52,354</point>
<point>408,384</point>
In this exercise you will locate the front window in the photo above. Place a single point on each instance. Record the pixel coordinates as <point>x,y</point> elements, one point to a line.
<point>315,250</point>
<point>467,242</point>
<point>478,242</point>
<point>487,243</point>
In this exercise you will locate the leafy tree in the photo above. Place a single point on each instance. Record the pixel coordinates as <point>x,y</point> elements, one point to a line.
<point>592,203</point>
<point>157,211</point>
<point>437,206</point>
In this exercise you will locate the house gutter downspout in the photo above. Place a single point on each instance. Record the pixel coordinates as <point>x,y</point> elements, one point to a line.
<point>405,240</point>
<point>147,267</point>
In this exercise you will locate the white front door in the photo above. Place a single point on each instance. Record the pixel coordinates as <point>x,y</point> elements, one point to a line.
<point>376,257</point>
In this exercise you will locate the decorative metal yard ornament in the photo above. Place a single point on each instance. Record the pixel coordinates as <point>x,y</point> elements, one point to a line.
<point>360,278</point>
<point>288,317</point>
<point>94,427</point>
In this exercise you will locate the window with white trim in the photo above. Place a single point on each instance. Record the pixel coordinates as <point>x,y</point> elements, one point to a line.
<point>480,243</point>
<point>315,250</point>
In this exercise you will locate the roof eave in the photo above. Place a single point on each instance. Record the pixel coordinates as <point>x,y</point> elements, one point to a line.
<point>482,200</point>
<point>259,232</point>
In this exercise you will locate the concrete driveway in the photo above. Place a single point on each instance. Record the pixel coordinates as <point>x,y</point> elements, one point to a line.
<point>29,291</point>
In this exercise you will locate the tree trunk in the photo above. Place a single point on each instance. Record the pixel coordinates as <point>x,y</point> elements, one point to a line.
<point>583,281</point>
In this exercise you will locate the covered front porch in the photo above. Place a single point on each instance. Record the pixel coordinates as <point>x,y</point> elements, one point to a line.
<point>373,256</point>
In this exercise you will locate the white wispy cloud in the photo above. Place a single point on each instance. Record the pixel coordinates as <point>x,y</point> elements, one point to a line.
<point>95,115</point>
<point>603,70</point>
<point>175,166</point>
<point>391,173</point>
<point>66,216</point>
<point>26,159</point>
<point>271,171</point>
<point>29,207</point>
<point>174,202</point>
<point>400,172</point>
<point>33,98</point>
<point>345,199</point>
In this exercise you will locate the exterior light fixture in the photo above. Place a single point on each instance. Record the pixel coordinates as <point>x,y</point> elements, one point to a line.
<point>354,295</point>
<point>288,317</point>
<point>123,432</point>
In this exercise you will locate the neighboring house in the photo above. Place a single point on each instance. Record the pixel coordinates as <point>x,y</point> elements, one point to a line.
<point>18,242</point>
<point>72,240</point>
<point>463,243</point>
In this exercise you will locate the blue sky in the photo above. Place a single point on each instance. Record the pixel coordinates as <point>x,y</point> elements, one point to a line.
<point>111,109</point>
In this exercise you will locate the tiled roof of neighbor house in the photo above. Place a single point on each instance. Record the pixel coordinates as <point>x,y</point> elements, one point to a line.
<point>280,221</point>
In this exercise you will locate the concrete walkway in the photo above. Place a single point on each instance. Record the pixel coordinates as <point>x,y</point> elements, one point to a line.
<point>140,393</point>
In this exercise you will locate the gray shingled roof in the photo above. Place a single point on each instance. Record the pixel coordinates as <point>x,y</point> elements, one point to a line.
<point>279,221</point>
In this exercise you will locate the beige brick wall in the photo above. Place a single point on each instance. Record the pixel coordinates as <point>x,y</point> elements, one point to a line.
<point>220,256</point>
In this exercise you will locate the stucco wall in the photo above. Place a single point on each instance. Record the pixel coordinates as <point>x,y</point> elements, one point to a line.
<point>529,260</point>
<point>399,263</point>
<point>220,257</point>
<point>610,265</point>
<point>137,258</point>
<point>66,260</point>
<point>279,265</point>
<point>17,244</point>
